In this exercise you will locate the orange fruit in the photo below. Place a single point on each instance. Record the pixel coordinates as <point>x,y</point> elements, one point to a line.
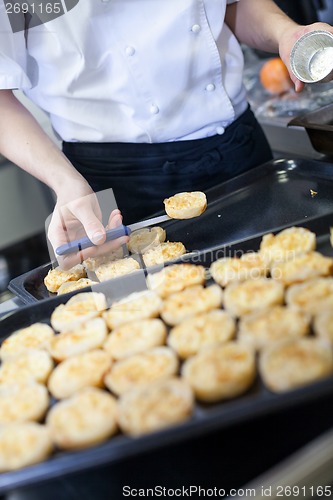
<point>274,76</point>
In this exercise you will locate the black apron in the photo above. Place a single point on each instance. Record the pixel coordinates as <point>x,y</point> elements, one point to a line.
<point>142,175</point>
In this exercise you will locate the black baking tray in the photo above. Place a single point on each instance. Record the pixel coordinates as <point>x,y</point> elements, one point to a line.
<point>319,128</point>
<point>257,402</point>
<point>272,195</point>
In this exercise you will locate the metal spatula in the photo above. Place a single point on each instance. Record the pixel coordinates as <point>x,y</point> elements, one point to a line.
<point>111,234</point>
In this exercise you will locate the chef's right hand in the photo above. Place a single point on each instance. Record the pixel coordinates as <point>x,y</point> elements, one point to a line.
<point>77,217</point>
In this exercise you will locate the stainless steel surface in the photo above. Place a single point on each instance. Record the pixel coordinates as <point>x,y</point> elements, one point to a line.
<point>311,57</point>
<point>148,222</point>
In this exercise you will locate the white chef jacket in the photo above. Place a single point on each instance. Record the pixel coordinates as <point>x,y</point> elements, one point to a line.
<point>129,70</point>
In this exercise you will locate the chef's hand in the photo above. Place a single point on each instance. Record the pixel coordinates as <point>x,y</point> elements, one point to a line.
<point>288,40</point>
<point>82,217</point>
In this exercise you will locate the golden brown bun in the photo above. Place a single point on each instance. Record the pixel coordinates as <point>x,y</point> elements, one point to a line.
<point>56,277</point>
<point>71,286</point>
<point>221,371</point>
<point>144,239</point>
<point>134,337</point>
<point>186,205</point>
<point>291,363</point>
<point>312,296</point>
<point>33,364</point>
<point>163,253</point>
<point>20,402</point>
<point>141,369</point>
<point>86,419</point>
<point>175,278</point>
<point>189,302</point>
<point>303,267</point>
<point>155,406</point>
<point>77,310</point>
<point>23,444</point>
<point>231,269</point>
<point>251,295</point>
<point>196,333</point>
<point>36,336</point>
<point>116,268</point>
<point>265,326</point>
<point>287,244</point>
<point>77,372</point>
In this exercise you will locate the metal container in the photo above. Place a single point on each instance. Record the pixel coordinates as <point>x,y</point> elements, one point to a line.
<point>311,57</point>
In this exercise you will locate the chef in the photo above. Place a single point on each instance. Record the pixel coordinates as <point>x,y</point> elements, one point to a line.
<point>145,95</point>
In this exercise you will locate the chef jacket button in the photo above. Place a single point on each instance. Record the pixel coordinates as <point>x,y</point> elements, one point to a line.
<point>196,28</point>
<point>220,130</point>
<point>130,51</point>
<point>154,109</point>
<point>210,87</point>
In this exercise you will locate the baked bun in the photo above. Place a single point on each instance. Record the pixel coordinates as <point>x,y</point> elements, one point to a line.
<point>77,310</point>
<point>251,295</point>
<point>21,402</point>
<point>189,302</point>
<point>291,363</point>
<point>175,278</point>
<point>269,325</point>
<point>134,307</point>
<point>141,369</point>
<point>71,286</point>
<point>31,365</point>
<point>287,244</point>
<point>163,253</point>
<point>77,372</point>
<point>301,268</point>
<point>185,205</point>
<point>93,262</point>
<point>36,336</point>
<point>231,269</point>
<point>91,335</point>
<point>312,296</point>
<point>57,276</point>
<point>137,336</point>
<point>86,419</point>
<point>200,331</point>
<point>146,238</point>
<point>23,444</point>
<point>116,268</point>
<point>155,406</point>
<point>221,371</point>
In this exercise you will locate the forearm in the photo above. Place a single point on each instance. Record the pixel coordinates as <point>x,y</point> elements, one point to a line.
<point>260,24</point>
<point>23,142</point>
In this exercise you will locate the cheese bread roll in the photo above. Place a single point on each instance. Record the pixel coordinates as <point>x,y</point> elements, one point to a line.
<point>221,371</point>
<point>287,244</point>
<point>32,365</point>
<point>195,333</point>
<point>91,335</point>
<point>312,296</point>
<point>36,336</point>
<point>23,444</point>
<point>132,338</point>
<point>20,402</point>
<point>175,278</point>
<point>56,277</point>
<point>265,326</point>
<point>143,239</point>
<point>136,306</point>
<point>323,325</point>
<point>301,268</point>
<point>77,310</point>
<point>141,369</point>
<point>186,205</point>
<point>250,295</point>
<point>93,262</point>
<point>71,286</point>
<point>86,419</point>
<point>230,269</point>
<point>75,373</point>
<point>153,407</point>
<point>189,302</point>
<point>292,363</point>
<point>164,252</point>
<point>116,268</point>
